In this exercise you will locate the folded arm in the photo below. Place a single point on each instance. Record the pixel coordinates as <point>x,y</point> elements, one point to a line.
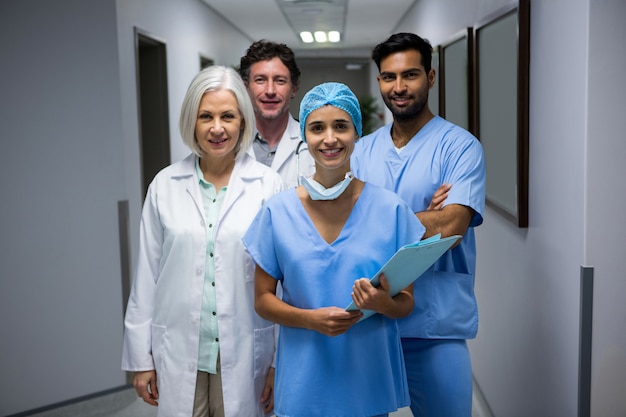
<point>453,219</point>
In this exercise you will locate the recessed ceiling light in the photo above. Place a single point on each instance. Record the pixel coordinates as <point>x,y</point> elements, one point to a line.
<point>334,36</point>
<point>307,37</point>
<point>320,36</point>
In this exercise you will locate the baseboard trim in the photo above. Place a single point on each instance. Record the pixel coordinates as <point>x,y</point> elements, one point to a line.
<point>70,402</point>
<point>480,407</point>
<point>586,328</point>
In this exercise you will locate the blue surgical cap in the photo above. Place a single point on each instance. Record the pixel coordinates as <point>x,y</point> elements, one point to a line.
<point>335,94</point>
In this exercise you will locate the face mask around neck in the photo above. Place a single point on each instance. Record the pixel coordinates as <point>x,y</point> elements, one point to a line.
<point>318,192</point>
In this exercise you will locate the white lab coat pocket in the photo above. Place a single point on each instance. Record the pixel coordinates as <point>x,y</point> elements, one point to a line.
<point>263,350</point>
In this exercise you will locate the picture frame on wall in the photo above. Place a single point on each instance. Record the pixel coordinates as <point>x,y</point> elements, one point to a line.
<point>456,75</point>
<point>433,93</point>
<point>501,78</point>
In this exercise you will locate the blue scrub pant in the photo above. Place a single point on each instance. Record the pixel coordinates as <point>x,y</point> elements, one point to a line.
<point>439,374</point>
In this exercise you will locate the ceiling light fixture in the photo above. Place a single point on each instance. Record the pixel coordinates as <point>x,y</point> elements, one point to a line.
<point>320,37</point>
<point>307,37</point>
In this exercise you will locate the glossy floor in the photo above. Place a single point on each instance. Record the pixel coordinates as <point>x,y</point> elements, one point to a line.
<point>124,403</point>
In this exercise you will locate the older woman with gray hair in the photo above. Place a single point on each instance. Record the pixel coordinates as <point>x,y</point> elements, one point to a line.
<point>192,337</point>
<point>319,240</point>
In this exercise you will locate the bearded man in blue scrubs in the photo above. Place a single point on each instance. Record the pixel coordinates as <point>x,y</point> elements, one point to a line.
<point>418,155</point>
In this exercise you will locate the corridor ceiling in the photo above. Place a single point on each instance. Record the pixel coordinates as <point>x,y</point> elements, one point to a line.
<point>362,23</point>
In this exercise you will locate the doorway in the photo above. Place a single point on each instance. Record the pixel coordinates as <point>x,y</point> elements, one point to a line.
<point>152,100</point>
<point>205,62</point>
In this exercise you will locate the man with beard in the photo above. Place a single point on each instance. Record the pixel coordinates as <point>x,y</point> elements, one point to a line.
<point>419,155</point>
<point>272,78</point>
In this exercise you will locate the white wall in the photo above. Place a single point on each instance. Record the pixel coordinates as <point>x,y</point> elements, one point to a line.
<point>606,204</point>
<point>528,280</point>
<point>69,132</point>
<point>525,357</point>
<point>61,175</point>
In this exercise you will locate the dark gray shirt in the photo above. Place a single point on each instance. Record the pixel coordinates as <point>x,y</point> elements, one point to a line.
<point>262,150</point>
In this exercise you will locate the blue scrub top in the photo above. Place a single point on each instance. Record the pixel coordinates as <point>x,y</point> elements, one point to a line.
<point>441,152</point>
<point>358,373</point>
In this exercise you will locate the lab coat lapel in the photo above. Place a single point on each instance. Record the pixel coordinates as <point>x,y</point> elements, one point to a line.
<point>186,174</point>
<point>243,173</point>
<point>287,145</point>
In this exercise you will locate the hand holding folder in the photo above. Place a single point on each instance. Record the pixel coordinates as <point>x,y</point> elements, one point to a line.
<point>408,264</point>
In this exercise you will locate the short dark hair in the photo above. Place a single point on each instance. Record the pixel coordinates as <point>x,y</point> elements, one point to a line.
<point>265,50</point>
<point>401,42</point>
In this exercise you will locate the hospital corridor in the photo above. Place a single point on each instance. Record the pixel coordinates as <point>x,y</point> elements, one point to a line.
<point>91,96</point>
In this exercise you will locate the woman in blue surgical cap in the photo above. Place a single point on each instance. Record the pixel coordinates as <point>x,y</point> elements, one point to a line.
<point>318,240</point>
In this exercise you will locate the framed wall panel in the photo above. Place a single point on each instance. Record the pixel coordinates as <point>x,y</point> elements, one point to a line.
<point>502,51</point>
<point>433,93</point>
<point>456,89</point>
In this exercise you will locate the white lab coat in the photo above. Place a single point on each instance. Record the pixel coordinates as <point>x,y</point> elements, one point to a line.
<point>285,158</point>
<point>162,322</point>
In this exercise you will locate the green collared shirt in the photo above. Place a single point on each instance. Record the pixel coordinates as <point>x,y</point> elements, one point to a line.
<point>209,335</point>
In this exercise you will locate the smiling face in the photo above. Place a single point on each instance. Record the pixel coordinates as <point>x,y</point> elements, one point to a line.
<point>219,124</point>
<point>271,88</point>
<point>404,83</point>
<point>330,136</point>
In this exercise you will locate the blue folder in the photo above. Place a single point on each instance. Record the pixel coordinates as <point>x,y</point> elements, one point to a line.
<point>408,264</point>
